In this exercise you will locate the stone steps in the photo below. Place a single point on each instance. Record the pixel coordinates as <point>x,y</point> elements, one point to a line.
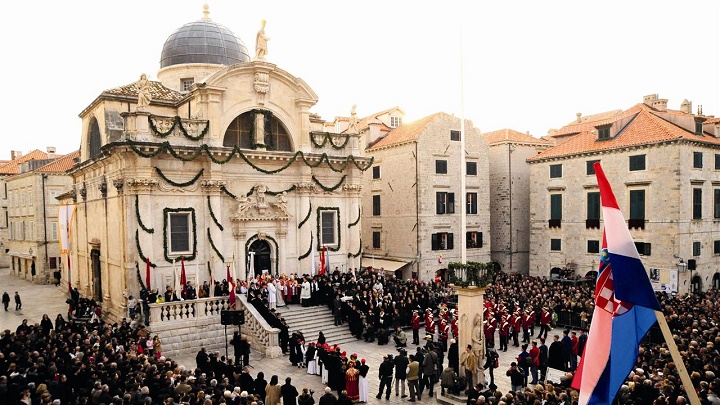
<point>311,320</point>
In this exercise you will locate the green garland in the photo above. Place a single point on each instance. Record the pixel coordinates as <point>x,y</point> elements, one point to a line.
<point>306,217</point>
<point>212,215</point>
<point>350,225</point>
<point>182,184</point>
<point>478,274</point>
<point>332,188</point>
<point>306,254</point>
<point>288,190</point>
<point>212,244</point>
<point>137,215</point>
<point>327,137</point>
<point>139,249</point>
<point>166,211</point>
<point>359,252</point>
<point>337,211</point>
<point>226,191</point>
<point>139,277</point>
<point>177,122</point>
<point>166,146</point>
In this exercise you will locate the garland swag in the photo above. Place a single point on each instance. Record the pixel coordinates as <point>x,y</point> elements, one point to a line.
<point>177,122</point>
<point>197,151</point>
<point>212,244</point>
<point>226,191</point>
<point>137,215</point>
<point>252,190</point>
<point>337,214</point>
<point>306,217</point>
<point>167,211</point>
<point>359,252</point>
<point>350,225</point>
<point>181,184</point>
<point>306,254</point>
<point>139,249</point>
<point>327,137</point>
<point>212,215</point>
<point>477,274</point>
<point>331,188</point>
<point>139,277</point>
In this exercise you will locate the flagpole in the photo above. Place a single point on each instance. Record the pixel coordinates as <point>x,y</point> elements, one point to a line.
<point>463,167</point>
<point>678,359</point>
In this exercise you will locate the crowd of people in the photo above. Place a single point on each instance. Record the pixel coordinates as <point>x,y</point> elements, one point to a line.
<point>67,362</point>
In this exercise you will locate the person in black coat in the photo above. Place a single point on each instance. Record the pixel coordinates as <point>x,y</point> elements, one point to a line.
<point>343,399</point>
<point>259,385</point>
<point>555,354</point>
<point>401,363</point>
<point>202,359</point>
<point>288,393</point>
<point>386,376</point>
<point>454,356</point>
<point>328,398</point>
<point>246,381</point>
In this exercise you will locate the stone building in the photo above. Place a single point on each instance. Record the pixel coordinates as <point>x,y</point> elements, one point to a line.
<point>218,163</point>
<point>508,151</point>
<point>32,244</point>
<point>412,215</point>
<point>664,167</point>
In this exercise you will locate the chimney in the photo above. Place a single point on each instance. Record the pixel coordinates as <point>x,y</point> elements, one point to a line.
<point>648,100</point>
<point>660,104</point>
<point>578,115</point>
<point>51,152</point>
<point>686,107</point>
<point>15,154</point>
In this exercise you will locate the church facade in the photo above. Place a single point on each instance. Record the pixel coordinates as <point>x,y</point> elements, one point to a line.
<point>219,164</point>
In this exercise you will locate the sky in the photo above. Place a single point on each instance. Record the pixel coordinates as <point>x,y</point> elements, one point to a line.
<point>526,65</point>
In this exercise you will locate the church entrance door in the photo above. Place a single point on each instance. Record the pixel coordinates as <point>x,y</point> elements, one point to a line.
<point>97,280</point>
<point>262,262</point>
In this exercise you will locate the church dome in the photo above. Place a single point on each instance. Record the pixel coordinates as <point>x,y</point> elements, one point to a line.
<point>203,41</point>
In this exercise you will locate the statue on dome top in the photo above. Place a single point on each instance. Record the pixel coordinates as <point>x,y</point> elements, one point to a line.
<point>261,43</point>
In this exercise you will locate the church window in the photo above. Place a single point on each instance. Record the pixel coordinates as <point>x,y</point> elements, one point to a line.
<point>241,133</point>
<point>180,232</point>
<point>94,141</point>
<point>328,227</point>
<point>187,83</point>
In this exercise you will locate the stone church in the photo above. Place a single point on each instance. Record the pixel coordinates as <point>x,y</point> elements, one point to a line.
<point>219,163</point>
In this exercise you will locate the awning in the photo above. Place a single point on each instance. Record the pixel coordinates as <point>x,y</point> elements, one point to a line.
<point>388,265</point>
<point>21,255</point>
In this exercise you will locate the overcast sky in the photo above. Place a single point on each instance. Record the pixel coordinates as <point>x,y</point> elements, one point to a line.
<point>529,65</point>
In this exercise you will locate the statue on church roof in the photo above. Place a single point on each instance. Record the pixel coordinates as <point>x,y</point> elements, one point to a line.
<point>352,127</point>
<point>144,96</point>
<point>261,43</point>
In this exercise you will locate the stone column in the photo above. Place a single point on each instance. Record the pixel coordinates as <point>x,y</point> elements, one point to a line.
<point>470,316</point>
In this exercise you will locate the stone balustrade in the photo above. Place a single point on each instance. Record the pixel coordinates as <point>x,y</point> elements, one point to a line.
<point>182,325</point>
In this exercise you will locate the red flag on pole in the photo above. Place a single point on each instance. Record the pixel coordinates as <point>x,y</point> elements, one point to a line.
<point>323,252</point>
<point>232,288</point>
<point>147,273</point>
<point>183,277</point>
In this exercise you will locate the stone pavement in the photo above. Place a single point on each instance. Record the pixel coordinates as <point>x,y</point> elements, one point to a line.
<point>36,300</point>
<point>48,299</point>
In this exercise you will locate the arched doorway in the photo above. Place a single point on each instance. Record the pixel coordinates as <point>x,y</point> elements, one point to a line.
<point>696,285</point>
<point>716,281</point>
<point>555,273</point>
<point>591,275</point>
<point>261,258</point>
<point>96,273</point>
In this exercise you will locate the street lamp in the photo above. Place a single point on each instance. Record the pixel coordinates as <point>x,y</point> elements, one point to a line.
<point>681,265</point>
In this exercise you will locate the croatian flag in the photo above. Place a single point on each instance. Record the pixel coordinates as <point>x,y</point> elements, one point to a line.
<point>624,308</point>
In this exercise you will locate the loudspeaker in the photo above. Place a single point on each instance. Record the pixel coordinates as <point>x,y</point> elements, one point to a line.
<point>691,264</point>
<point>232,318</point>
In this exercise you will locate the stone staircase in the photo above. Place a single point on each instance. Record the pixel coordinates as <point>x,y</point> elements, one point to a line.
<point>311,320</point>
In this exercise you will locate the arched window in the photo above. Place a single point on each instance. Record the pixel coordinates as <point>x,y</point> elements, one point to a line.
<point>241,133</point>
<point>94,141</point>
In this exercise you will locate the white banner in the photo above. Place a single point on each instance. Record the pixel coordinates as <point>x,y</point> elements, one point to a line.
<point>65,217</point>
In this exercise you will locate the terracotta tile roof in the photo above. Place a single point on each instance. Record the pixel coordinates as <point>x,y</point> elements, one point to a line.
<point>407,132</point>
<point>365,121</point>
<point>589,121</point>
<point>712,121</point>
<point>60,165</point>
<point>13,167</point>
<point>510,135</point>
<point>645,126</point>
<point>157,91</point>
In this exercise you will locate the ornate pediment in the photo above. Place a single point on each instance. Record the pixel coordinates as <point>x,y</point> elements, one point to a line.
<point>257,207</point>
